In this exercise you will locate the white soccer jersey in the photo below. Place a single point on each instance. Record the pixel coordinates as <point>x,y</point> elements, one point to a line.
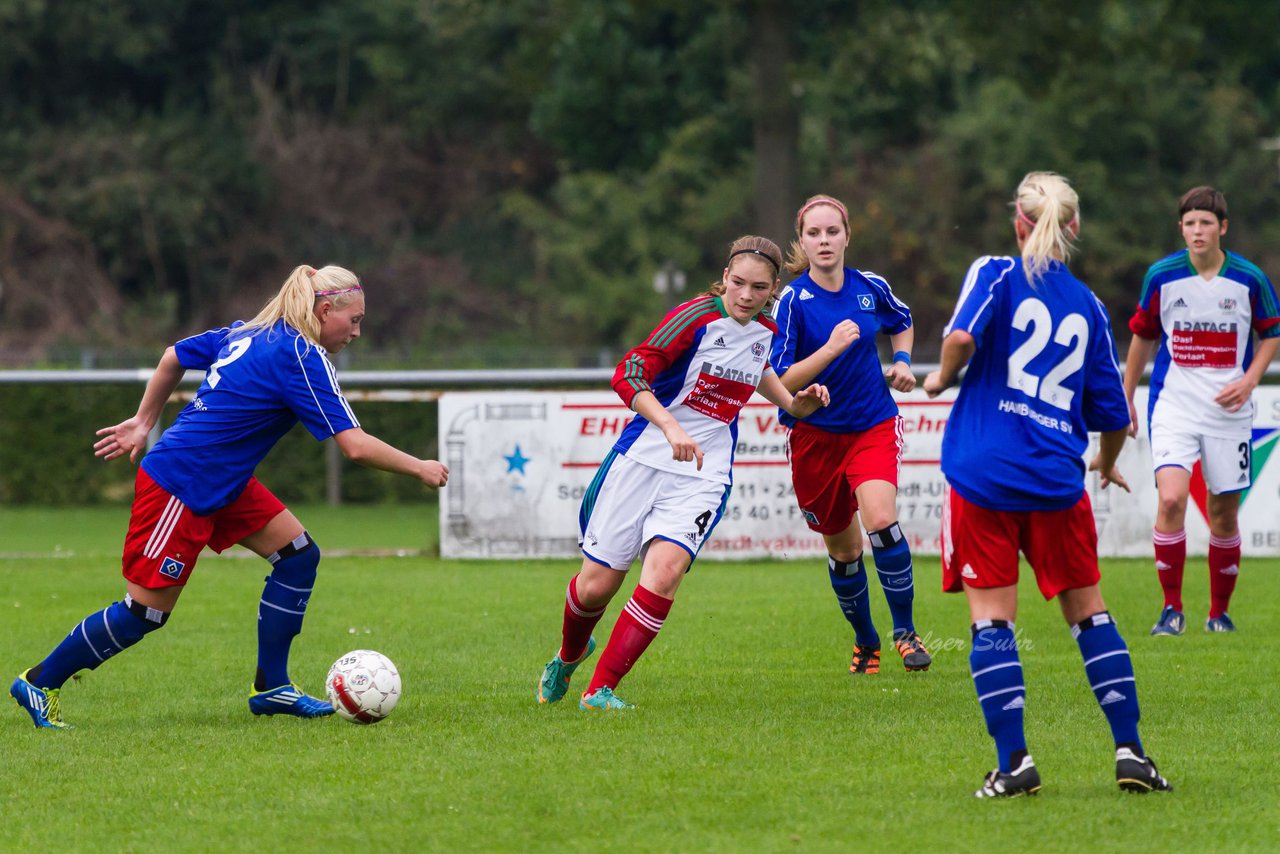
<point>1206,331</point>
<point>703,366</point>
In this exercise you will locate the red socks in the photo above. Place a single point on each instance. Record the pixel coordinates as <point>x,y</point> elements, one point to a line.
<point>637,626</point>
<point>1224,569</point>
<point>578,624</point>
<point>1171,559</point>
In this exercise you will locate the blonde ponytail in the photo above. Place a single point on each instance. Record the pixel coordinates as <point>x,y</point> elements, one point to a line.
<point>1050,209</point>
<point>295,303</point>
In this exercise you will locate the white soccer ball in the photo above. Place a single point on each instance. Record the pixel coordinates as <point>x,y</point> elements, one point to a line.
<point>364,686</point>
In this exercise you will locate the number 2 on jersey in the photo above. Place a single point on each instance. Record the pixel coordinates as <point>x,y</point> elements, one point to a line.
<point>236,350</point>
<point>1072,332</point>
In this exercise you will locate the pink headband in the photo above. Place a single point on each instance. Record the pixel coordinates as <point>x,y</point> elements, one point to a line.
<point>824,201</point>
<point>1029,223</point>
<point>340,291</point>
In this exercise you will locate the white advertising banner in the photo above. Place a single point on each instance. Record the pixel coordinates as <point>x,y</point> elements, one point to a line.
<point>520,461</point>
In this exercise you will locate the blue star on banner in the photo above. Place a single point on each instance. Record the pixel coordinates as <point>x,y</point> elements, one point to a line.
<point>516,461</point>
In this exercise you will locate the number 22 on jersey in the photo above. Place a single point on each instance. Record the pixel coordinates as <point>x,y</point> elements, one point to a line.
<point>1072,332</point>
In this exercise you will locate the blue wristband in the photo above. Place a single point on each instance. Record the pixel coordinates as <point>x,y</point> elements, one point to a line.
<point>902,356</point>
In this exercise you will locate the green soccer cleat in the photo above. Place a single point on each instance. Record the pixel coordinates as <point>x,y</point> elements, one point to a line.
<point>555,677</point>
<point>43,704</point>
<point>603,700</point>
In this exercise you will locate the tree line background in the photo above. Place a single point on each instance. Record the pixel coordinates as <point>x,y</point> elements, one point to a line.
<point>508,177</point>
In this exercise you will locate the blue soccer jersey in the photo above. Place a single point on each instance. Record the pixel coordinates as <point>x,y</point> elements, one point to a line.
<point>1043,375</point>
<point>256,388</point>
<point>806,313</point>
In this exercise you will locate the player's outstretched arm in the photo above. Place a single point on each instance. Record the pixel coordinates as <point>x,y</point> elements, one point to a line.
<point>130,436</point>
<point>804,403</point>
<point>1104,463</point>
<point>371,452</point>
<point>957,349</point>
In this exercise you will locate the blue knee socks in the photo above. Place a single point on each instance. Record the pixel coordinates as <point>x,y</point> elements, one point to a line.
<point>997,676</point>
<point>1110,674</point>
<point>283,605</point>
<point>96,638</point>
<point>893,565</point>
<point>849,581</point>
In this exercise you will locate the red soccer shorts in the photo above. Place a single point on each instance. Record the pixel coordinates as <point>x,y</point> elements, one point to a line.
<point>826,468</point>
<point>980,547</point>
<point>165,537</point>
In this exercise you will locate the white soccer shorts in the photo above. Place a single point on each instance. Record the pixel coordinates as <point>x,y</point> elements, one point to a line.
<point>636,503</point>
<point>1225,462</point>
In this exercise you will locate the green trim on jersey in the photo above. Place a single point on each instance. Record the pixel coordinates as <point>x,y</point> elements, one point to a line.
<point>633,373</point>
<point>669,331</point>
<point>1266,293</point>
<point>1182,259</point>
<point>593,489</point>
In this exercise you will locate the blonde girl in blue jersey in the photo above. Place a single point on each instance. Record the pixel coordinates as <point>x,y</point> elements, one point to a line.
<point>1041,374</point>
<point>844,460</point>
<point>196,488</point>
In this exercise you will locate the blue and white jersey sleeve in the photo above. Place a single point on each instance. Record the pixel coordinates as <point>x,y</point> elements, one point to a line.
<point>311,391</point>
<point>975,307</point>
<point>1104,407</point>
<point>790,323</point>
<point>199,352</point>
<point>893,313</point>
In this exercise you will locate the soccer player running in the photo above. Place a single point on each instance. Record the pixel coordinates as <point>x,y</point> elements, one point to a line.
<point>1042,372</point>
<point>844,460</point>
<point>664,485</point>
<point>1201,307</point>
<point>196,488</point>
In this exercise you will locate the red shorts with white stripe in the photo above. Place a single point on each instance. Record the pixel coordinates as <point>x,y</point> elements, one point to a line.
<point>980,546</point>
<point>165,537</point>
<point>826,468</point>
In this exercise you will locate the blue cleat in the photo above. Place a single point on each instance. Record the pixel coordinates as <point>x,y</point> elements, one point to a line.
<point>1171,622</point>
<point>555,678</point>
<point>602,700</point>
<point>288,700</point>
<point>43,704</point>
<point>1219,624</point>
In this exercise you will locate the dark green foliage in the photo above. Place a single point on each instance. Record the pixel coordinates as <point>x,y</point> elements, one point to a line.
<point>47,436</point>
<point>508,174</point>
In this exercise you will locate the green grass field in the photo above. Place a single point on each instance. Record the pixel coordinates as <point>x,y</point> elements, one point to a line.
<point>749,734</point>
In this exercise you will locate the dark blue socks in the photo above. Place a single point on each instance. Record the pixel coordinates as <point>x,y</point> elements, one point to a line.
<point>997,676</point>
<point>284,603</point>
<point>893,565</point>
<point>849,581</point>
<point>95,639</point>
<point>1110,673</point>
